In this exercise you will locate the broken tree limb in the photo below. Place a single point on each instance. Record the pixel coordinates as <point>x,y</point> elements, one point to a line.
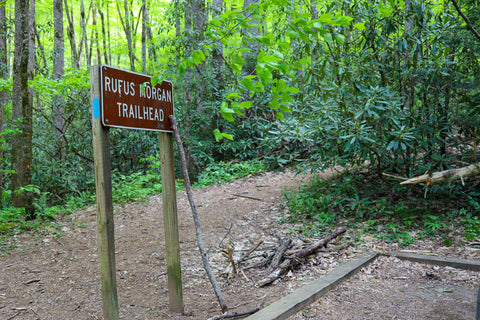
<point>234,314</point>
<point>278,256</point>
<point>311,249</point>
<point>293,257</point>
<point>198,229</point>
<point>442,176</point>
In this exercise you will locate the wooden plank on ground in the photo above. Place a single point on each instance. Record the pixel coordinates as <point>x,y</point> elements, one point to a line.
<point>441,261</point>
<point>298,299</point>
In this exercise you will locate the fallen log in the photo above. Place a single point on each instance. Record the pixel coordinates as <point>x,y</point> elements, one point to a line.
<point>293,258</point>
<point>277,257</point>
<point>445,175</point>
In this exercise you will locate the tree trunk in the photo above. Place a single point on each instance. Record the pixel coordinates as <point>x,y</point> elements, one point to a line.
<point>4,76</point>
<point>71,37</point>
<point>22,112</point>
<point>127,28</point>
<point>442,176</point>
<point>144,36</point>
<point>104,39</point>
<point>95,32</point>
<point>251,56</point>
<point>58,72</point>
<point>84,28</point>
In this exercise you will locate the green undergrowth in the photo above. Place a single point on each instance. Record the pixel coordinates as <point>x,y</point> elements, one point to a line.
<point>133,188</point>
<point>225,172</point>
<point>385,209</point>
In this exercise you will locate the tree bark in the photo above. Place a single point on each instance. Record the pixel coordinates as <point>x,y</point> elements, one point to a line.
<point>465,18</point>
<point>94,39</point>
<point>22,112</point>
<point>71,37</point>
<point>58,73</point>
<point>144,36</point>
<point>445,175</point>
<point>127,28</point>
<point>251,56</point>
<point>83,23</point>
<point>4,76</point>
<point>218,56</point>
<point>104,39</point>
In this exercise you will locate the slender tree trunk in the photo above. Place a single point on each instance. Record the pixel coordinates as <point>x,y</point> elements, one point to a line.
<point>218,55</point>
<point>84,28</point>
<point>151,49</point>
<point>127,28</point>
<point>106,48</point>
<point>71,37</point>
<point>144,36</point>
<point>251,56</point>
<point>22,111</point>
<point>58,72</point>
<point>199,21</point>
<point>95,39</point>
<point>4,76</point>
<point>188,89</point>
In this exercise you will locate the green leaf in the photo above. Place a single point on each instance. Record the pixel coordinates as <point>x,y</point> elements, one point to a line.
<point>317,25</point>
<point>326,18</point>
<point>218,135</point>
<point>226,112</point>
<point>264,73</point>
<point>279,116</point>
<point>247,82</point>
<point>328,37</point>
<point>285,108</point>
<point>182,68</point>
<point>292,34</point>
<point>292,90</point>
<point>228,136</point>
<point>246,104</point>
<point>198,56</point>
<point>274,104</point>
<point>340,38</point>
<point>384,10</point>
<point>359,26</point>
<point>232,95</point>
<point>342,21</point>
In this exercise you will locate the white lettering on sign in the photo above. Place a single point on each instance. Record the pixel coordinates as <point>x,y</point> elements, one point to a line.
<point>156,93</point>
<point>118,86</point>
<point>140,112</point>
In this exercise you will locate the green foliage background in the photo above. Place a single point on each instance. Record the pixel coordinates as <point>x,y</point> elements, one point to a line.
<point>389,85</point>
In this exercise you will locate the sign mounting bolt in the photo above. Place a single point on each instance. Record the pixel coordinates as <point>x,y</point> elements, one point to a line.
<point>106,121</point>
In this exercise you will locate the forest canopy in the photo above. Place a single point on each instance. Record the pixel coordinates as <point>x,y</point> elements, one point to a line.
<point>393,85</point>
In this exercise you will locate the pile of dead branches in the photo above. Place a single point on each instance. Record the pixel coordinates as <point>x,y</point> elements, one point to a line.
<point>283,259</point>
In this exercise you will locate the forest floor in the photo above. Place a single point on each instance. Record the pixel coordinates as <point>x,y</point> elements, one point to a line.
<point>56,275</point>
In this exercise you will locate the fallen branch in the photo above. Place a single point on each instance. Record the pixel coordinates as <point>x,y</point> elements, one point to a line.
<point>278,256</point>
<point>198,229</point>
<point>442,176</point>
<point>293,258</point>
<point>246,255</point>
<point>234,314</point>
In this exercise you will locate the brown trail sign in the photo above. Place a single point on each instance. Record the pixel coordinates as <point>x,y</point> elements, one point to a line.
<point>130,101</point>
<point>127,100</point>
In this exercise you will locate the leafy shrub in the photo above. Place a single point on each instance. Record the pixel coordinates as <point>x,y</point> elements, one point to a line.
<point>383,207</point>
<point>223,172</point>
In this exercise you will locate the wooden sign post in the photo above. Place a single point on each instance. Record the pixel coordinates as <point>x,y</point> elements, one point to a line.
<point>127,100</point>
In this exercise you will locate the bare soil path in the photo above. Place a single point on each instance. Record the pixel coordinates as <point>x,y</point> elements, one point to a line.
<point>56,276</point>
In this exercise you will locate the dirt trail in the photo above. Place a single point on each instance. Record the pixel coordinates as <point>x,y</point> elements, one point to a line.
<point>56,276</point>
